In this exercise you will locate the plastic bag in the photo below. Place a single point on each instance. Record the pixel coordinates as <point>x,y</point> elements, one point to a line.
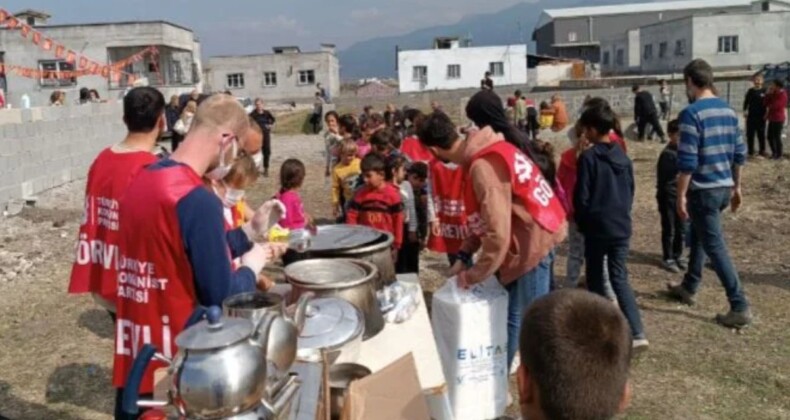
<point>470,327</point>
<point>398,301</point>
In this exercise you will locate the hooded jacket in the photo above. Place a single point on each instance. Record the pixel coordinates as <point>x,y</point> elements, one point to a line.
<point>513,244</point>
<point>604,193</point>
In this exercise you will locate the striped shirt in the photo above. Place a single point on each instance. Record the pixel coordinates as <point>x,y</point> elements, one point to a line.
<point>710,144</point>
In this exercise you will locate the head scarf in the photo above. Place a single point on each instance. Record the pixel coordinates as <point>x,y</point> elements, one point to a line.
<point>485,110</point>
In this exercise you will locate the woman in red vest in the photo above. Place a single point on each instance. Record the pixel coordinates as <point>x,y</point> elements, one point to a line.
<point>514,218</point>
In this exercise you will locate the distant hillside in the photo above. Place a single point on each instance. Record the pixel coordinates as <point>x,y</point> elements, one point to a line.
<point>512,25</point>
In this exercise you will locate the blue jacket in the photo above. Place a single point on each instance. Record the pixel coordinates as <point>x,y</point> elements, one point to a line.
<point>604,193</point>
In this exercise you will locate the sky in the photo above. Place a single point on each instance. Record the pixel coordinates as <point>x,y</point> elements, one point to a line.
<point>228,27</point>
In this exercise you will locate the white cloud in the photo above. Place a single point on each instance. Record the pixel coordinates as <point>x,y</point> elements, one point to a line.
<point>365,14</point>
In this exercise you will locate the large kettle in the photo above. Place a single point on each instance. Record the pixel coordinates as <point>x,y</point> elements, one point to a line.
<point>283,332</point>
<point>218,372</point>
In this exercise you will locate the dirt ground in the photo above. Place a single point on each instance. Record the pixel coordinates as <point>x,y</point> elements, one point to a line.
<point>55,349</point>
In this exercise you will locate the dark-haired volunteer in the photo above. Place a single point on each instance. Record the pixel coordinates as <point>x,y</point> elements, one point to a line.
<point>95,265</point>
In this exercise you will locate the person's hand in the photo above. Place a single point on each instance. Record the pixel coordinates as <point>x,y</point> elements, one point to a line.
<point>735,201</point>
<point>275,250</point>
<point>264,218</point>
<point>463,281</point>
<point>682,208</point>
<point>457,268</point>
<point>413,237</point>
<point>264,283</point>
<point>256,258</point>
<point>436,229</point>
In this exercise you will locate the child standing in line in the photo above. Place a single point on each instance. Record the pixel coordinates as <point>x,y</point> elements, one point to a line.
<point>417,175</point>
<point>672,226</point>
<point>332,141</point>
<point>603,201</point>
<point>409,253</point>
<point>292,175</point>
<point>372,124</point>
<point>378,203</point>
<point>386,143</point>
<point>546,118</point>
<point>344,178</point>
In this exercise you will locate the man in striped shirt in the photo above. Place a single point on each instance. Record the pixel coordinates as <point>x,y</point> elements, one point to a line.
<point>710,156</point>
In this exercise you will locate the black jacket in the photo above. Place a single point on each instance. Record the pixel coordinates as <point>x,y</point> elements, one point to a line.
<point>753,104</point>
<point>604,193</point>
<point>265,120</point>
<point>644,105</point>
<point>667,174</point>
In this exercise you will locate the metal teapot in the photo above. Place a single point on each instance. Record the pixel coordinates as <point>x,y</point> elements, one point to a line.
<point>218,372</point>
<point>283,330</point>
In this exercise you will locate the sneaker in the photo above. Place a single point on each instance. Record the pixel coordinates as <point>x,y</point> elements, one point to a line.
<point>639,344</point>
<point>681,263</point>
<point>678,292</point>
<point>671,266</point>
<point>734,319</point>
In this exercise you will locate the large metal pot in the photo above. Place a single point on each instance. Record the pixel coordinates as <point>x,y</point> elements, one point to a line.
<point>334,326</point>
<point>351,242</point>
<point>351,280</point>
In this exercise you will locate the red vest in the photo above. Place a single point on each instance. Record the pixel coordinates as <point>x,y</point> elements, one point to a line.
<point>415,150</point>
<point>528,185</point>
<point>448,197</point>
<point>156,290</point>
<point>96,260</point>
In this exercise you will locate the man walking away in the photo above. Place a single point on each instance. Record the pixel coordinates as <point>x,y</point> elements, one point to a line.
<point>645,113</point>
<point>776,104</point>
<point>266,121</point>
<point>710,156</point>
<point>663,90</point>
<point>754,112</point>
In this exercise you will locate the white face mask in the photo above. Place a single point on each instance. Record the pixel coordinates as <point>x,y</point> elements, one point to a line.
<point>232,196</point>
<point>258,159</point>
<point>221,171</point>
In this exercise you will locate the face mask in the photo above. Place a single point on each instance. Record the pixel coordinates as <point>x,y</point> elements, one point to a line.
<point>258,159</point>
<point>221,171</point>
<point>233,196</point>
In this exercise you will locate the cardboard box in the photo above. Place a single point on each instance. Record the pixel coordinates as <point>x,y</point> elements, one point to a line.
<point>392,393</point>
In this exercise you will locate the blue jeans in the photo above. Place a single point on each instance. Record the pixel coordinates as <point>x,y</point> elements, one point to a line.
<point>613,253</point>
<point>704,208</point>
<point>521,293</point>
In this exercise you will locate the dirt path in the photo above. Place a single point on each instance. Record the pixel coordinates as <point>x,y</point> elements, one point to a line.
<point>55,349</point>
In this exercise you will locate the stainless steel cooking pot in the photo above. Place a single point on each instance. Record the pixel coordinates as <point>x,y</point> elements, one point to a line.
<point>354,242</point>
<point>351,280</point>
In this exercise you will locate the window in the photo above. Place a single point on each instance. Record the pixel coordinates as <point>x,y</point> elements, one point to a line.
<point>766,6</point>
<point>497,69</point>
<point>269,79</point>
<point>728,44</point>
<point>236,80</point>
<point>454,71</point>
<point>54,79</point>
<point>648,52</point>
<point>662,50</point>
<point>306,77</point>
<point>31,21</point>
<point>605,58</point>
<point>419,73</point>
<point>680,48</point>
<point>572,37</point>
<point>620,58</point>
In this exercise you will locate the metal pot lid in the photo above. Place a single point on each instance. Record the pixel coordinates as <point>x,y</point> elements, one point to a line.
<point>338,237</point>
<point>330,322</point>
<point>326,273</point>
<point>214,332</point>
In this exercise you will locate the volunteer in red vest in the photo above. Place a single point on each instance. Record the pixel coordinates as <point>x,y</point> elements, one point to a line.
<point>175,252</point>
<point>448,221</point>
<point>95,266</point>
<point>513,217</point>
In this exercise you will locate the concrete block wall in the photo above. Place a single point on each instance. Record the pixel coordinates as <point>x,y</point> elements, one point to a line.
<point>42,148</point>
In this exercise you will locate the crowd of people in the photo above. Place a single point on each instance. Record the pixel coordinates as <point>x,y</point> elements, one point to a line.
<point>164,235</point>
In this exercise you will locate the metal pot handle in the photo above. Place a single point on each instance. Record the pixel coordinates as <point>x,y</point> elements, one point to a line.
<point>131,391</point>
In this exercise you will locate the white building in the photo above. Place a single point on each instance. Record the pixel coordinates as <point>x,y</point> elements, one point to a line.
<point>451,65</point>
<point>733,40</point>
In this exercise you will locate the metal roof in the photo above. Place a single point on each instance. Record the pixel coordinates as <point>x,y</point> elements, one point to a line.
<point>620,9</point>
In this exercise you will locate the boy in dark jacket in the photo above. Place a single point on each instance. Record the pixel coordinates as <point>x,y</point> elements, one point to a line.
<point>672,226</point>
<point>602,201</point>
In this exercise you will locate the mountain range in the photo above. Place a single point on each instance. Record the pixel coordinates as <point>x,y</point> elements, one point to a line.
<point>377,57</point>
